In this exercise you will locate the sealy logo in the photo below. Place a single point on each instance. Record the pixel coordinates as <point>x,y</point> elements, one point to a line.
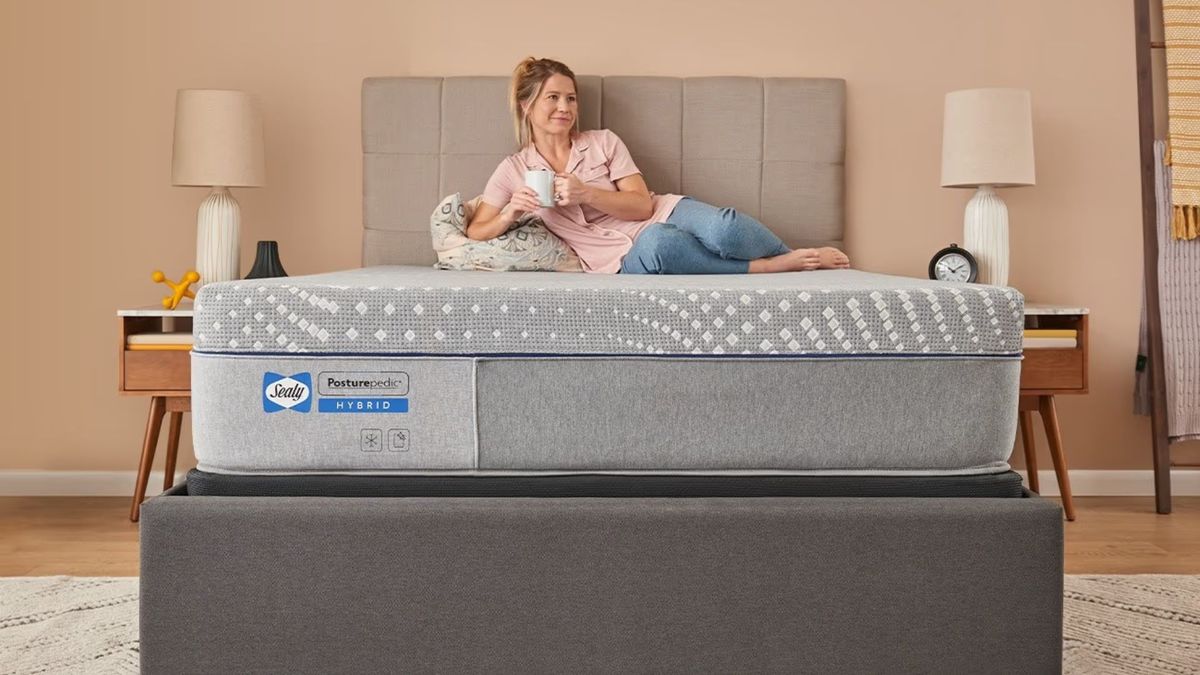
<point>287,392</point>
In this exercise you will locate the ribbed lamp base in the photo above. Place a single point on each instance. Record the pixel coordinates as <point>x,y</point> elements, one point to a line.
<point>218,231</point>
<point>985,235</point>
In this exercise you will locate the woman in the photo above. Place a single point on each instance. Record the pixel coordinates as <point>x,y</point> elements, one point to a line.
<point>603,209</point>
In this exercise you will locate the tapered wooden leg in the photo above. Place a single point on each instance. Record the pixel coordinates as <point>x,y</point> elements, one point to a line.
<point>172,449</point>
<point>158,405</point>
<point>1054,436</point>
<point>1027,440</point>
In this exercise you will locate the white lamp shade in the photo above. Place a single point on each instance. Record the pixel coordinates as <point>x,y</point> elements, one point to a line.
<point>987,138</point>
<point>218,139</point>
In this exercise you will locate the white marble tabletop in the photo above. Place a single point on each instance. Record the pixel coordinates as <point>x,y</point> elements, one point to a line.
<point>1045,309</point>
<point>157,310</point>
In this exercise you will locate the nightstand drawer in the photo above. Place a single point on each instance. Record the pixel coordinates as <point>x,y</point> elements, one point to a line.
<point>158,370</point>
<point>1052,369</point>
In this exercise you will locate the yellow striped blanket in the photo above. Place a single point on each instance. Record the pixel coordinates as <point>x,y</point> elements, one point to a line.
<point>1181,20</point>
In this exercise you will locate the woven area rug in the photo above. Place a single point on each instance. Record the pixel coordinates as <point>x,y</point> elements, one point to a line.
<point>69,625</point>
<point>1113,624</point>
<point>1131,624</point>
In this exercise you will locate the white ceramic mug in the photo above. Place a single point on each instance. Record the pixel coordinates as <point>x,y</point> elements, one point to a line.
<point>542,182</point>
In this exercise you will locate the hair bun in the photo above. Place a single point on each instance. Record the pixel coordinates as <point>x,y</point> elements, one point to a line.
<point>525,65</point>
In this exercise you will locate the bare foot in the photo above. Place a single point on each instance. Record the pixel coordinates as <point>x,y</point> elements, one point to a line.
<point>793,261</point>
<point>833,259</point>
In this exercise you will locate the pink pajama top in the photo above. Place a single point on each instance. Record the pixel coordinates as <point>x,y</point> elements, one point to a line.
<point>598,158</point>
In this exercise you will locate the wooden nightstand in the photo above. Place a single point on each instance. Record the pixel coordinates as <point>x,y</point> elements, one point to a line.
<point>161,372</point>
<point>1046,373</point>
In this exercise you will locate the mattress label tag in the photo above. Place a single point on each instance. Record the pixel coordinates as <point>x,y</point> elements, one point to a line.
<point>362,405</point>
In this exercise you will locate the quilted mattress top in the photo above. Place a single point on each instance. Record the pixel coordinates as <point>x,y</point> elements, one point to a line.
<point>419,310</point>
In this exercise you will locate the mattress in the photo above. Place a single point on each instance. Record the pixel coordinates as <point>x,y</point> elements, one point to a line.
<point>202,483</point>
<point>415,310</point>
<point>408,370</point>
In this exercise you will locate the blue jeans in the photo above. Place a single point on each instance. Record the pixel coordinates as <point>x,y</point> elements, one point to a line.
<point>700,238</point>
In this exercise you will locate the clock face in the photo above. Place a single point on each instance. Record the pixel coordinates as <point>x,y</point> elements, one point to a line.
<point>952,267</point>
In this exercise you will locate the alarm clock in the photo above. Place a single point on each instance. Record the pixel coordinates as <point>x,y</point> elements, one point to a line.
<point>953,264</point>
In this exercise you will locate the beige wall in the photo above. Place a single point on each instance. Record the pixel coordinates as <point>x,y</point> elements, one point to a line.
<point>88,209</point>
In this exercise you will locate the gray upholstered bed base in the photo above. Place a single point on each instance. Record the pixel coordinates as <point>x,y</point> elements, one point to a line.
<point>504,585</point>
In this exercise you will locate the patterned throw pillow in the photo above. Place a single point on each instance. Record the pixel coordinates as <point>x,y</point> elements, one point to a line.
<point>527,246</point>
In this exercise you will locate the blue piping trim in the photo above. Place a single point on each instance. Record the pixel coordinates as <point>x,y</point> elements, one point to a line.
<point>522,355</point>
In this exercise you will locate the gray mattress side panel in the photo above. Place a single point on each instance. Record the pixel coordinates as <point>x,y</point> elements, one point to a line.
<point>827,414</point>
<point>788,585</point>
<point>233,431</point>
<point>613,414</point>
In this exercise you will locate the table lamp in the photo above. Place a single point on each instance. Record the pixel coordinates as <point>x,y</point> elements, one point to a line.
<point>218,144</point>
<point>987,142</point>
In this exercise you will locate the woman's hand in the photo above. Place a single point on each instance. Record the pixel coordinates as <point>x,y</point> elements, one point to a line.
<point>569,190</point>
<point>522,201</point>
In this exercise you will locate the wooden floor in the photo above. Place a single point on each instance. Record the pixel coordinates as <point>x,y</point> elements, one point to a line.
<point>91,536</point>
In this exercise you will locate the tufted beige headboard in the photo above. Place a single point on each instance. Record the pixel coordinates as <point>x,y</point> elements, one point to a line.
<point>771,147</point>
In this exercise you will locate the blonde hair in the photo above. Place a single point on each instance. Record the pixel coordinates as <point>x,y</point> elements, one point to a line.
<point>527,80</point>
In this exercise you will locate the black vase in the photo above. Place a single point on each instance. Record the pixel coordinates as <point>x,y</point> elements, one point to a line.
<point>266,262</point>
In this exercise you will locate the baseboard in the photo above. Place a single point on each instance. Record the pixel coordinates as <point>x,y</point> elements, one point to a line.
<point>21,483</point>
<point>1084,483</point>
<point>1136,483</point>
